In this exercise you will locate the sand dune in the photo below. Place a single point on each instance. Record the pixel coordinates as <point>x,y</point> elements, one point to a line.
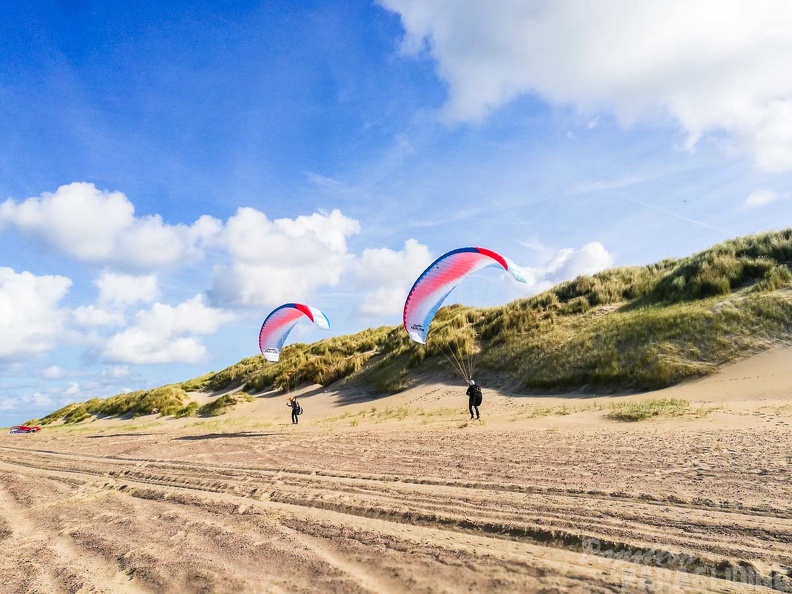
<point>405,494</point>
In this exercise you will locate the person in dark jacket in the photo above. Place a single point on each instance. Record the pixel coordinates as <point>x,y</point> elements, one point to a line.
<point>474,398</point>
<point>295,408</point>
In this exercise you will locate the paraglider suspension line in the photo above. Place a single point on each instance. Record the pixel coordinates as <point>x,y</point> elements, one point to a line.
<point>471,360</point>
<point>458,363</point>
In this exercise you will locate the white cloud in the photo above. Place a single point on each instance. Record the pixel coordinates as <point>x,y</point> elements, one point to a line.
<point>36,401</point>
<point>383,301</point>
<point>558,266</point>
<point>126,289</point>
<point>98,226</point>
<point>385,276</point>
<point>166,334</point>
<point>135,345</point>
<point>118,372</point>
<point>570,263</point>
<point>116,292</point>
<point>763,198</point>
<point>53,372</point>
<point>11,367</point>
<point>281,260</point>
<point>710,65</point>
<point>30,318</point>
<point>92,316</point>
<point>72,391</point>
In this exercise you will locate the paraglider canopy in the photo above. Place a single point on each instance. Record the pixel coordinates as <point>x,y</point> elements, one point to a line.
<point>442,276</point>
<point>280,322</point>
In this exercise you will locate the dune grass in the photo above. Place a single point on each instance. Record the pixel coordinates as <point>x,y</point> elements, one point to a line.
<point>375,415</point>
<point>642,348</point>
<point>218,424</point>
<point>546,411</point>
<point>165,400</point>
<point>219,405</point>
<point>640,411</point>
<point>629,328</point>
<point>190,410</point>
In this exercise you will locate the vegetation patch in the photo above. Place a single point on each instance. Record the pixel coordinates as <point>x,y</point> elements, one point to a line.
<point>640,411</point>
<point>219,405</point>
<point>164,401</point>
<point>187,411</point>
<point>562,410</point>
<point>197,384</point>
<point>397,413</point>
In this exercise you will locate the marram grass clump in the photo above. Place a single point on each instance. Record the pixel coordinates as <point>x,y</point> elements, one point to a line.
<point>219,405</point>
<point>640,411</point>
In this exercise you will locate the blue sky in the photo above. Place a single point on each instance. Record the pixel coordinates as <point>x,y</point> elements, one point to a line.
<point>172,171</point>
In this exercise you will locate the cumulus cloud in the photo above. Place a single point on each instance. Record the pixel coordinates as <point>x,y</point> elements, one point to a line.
<point>53,372</point>
<point>166,334</point>
<point>384,277</point>
<point>36,401</point>
<point>93,316</point>
<point>31,318</point>
<point>118,372</point>
<point>570,263</point>
<point>126,289</point>
<point>72,391</point>
<point>709,65</point>
<point>97,226</point>
<point>116,293</point>
<point>280,260</point>
<point>763,198</point>
<point>558,266</point>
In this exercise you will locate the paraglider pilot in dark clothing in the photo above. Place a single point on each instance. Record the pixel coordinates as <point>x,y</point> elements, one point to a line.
<point>474,398</point>
<point>295,407</point>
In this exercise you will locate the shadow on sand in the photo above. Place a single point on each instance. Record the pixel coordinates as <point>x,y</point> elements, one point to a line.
<point>221,436</point>
<point>301,392</point>
<point>117,435</point>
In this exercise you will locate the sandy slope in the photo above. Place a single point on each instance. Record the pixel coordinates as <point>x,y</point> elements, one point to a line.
<point>405,494</point>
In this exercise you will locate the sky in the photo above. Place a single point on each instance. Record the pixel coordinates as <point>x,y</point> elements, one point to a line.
<point>170,172</point>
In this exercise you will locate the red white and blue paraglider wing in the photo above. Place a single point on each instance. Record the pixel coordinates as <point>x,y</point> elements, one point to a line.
<point>280,322</point>
<point>437,281</point>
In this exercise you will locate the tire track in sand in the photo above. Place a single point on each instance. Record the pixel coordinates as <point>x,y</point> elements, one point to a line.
<point>407,503</point>
<point>355,571</point>
<point>53,562</point>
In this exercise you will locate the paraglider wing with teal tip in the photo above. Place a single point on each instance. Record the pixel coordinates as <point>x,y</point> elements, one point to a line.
<point>280,322</point>
<point>442,276</point>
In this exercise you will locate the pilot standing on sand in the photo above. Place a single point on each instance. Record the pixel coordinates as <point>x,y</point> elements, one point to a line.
<point>295,407</point>
<point>474,398</point>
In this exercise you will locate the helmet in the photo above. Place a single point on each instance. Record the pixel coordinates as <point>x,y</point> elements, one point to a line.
<point>471,382</point>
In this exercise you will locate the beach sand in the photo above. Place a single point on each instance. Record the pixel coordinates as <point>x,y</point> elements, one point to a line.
<point>406,494</point>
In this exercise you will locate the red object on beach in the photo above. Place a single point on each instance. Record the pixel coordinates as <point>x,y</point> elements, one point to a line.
<point>24,429</point>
